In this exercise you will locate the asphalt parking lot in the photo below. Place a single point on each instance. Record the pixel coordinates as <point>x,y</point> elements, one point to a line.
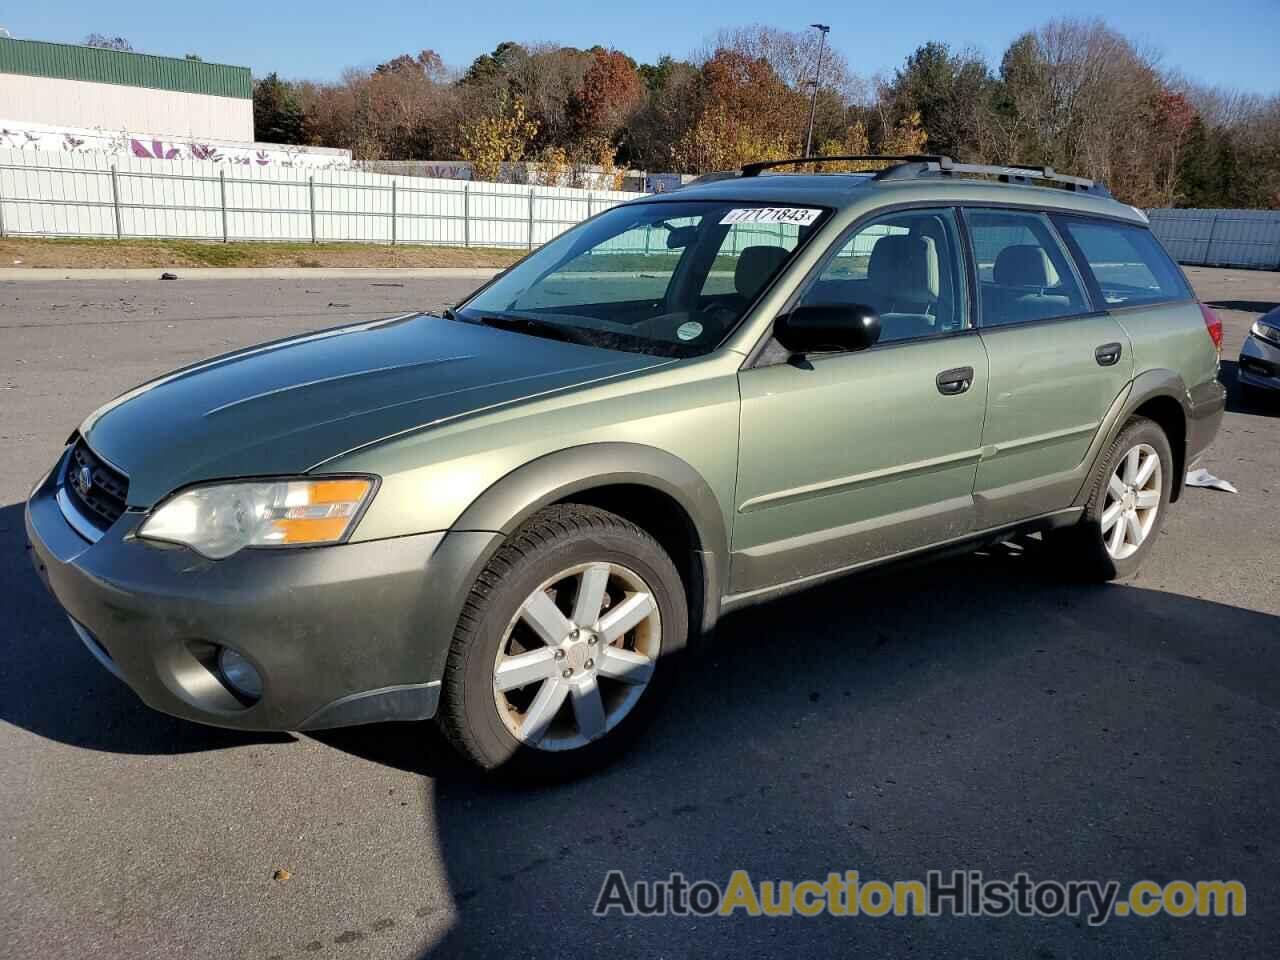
<point>974,714</point>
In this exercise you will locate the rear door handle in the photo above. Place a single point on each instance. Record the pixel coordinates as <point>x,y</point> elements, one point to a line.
<point>955,381</point>
<point>1107,354</point>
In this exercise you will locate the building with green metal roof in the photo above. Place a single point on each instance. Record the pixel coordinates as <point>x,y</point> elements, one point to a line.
<point>58,84</point>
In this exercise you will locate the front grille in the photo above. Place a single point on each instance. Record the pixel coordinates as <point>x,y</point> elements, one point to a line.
<point>1260,367</point>
<point>95,488</point>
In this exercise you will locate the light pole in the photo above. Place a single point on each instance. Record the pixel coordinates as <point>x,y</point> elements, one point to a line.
<point>822,29</point>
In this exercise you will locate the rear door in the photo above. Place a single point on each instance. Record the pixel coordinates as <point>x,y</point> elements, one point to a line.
<point>846,458</point>
<point>1057,365</point>
<point>1141,286</point>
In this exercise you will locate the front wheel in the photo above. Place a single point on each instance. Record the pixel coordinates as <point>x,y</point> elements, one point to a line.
<point>556,662</point>
<point>1126,507</point>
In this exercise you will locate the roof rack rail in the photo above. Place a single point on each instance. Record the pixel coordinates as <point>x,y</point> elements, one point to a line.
<point>914,166</point>
<point>755,169</point>
<point>1006,173</point>
<point>711,178</point>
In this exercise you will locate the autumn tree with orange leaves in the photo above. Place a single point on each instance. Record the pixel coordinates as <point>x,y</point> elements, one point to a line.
<point>1072,94</point>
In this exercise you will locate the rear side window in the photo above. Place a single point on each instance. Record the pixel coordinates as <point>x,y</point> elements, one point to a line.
<point>1023,272</point>
<point>1127,262</point>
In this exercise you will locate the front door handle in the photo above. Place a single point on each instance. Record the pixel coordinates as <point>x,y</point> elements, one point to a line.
<point>955,381</point>
<point>1107,355</point>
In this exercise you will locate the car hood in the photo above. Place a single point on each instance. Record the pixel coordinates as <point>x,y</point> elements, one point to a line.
<point>285,407</point>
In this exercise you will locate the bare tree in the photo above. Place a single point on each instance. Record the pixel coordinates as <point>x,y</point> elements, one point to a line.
<point>1079,96</point>
<point>793,55</point>
<point>103,42</point>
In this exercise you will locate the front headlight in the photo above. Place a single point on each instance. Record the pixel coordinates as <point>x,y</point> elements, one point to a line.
<point>1265,331</point>
<point>218,519</point>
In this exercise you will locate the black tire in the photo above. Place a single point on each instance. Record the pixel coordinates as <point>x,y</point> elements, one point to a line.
<point>1081,549</point>
<point>553,540</point>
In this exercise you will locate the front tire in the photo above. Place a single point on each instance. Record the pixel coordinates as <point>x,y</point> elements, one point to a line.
<point>1126,507</point>
<point>557,660</point>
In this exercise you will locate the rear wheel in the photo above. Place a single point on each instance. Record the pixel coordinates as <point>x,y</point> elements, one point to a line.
<point>1126,507</point>
<point>556,662</point>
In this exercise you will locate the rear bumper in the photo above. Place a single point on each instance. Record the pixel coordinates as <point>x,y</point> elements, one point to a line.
<point>340,635</point>
<point>1208,401</point>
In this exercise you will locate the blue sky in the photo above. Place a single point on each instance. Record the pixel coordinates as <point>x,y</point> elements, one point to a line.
<point>1225,42</point>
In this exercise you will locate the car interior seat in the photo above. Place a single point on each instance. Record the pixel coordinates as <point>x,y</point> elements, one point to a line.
<point>755,266</point>
<point>903,285</point>
<point>1026,286</point>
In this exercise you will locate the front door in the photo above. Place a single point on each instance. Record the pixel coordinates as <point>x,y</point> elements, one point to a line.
<point>849,458</point>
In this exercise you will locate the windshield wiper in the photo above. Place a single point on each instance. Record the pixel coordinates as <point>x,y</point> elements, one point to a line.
<point>531,326</point>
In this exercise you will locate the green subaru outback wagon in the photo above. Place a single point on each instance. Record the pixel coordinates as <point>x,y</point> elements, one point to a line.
<point>514,516</point>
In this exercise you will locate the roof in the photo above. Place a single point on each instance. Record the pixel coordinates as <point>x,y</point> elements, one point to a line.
<point>63,61</point>
<point>842,190</point>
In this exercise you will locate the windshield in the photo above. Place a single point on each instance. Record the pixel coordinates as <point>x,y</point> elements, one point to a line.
<point>669,278</point>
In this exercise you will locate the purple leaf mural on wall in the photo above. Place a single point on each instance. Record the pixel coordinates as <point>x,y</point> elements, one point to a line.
<point>145,147</point>
<point>202,151</point>
<point>158,151</point>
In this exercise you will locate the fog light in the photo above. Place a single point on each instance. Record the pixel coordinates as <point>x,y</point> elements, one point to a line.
<point>240,675</point>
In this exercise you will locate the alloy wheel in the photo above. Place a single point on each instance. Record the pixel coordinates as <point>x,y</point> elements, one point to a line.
<point>577,656</point>
<point>1134,490</point>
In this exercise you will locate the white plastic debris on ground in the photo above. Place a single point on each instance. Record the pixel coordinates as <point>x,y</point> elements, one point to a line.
<point>1203,478</point>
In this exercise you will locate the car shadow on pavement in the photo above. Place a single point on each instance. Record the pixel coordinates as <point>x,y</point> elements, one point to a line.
<point>51,686</point>
<point>979,713</point>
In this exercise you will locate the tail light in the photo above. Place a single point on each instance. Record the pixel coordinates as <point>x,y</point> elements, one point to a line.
<point>1212,323</point>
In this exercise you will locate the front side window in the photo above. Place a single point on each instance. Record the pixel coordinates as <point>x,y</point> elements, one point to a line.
<point>1128,262</point>
<point>667,278</point>
<point>1023,272</point>
<point>906,266</point>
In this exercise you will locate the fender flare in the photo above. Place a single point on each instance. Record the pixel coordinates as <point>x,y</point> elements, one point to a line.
<point>1158,383</point>
<point>510,501</point>
<point>1148,385</point>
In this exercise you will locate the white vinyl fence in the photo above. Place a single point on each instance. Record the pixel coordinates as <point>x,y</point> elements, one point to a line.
<point>87,195</point>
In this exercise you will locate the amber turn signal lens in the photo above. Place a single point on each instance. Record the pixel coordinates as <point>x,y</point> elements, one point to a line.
<point>339,491</point>
<point>317,511</point>
<point>317,530</point>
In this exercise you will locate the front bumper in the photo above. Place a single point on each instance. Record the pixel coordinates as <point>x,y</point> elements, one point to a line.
<point>355,633</point>
<point>1259,364</point>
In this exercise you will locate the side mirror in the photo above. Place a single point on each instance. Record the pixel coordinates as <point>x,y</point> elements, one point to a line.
<point>821,326</point>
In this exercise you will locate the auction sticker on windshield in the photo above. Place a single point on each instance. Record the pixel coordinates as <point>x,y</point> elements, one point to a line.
<point>801,216</point>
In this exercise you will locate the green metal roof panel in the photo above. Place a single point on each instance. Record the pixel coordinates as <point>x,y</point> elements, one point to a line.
<point>36,58</point>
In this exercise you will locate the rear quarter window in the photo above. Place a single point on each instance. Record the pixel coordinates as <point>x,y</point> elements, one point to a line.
<point>1127,262</point>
